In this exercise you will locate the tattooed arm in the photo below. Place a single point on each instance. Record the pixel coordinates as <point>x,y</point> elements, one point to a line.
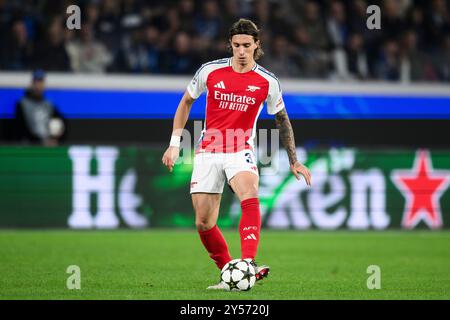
<point>288,141</point>
<point>286,134</point>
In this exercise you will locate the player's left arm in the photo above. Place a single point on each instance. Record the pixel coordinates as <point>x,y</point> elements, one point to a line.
<point>287,139</point>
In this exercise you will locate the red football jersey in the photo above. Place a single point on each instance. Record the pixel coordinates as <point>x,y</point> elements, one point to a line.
<point>233,103</point>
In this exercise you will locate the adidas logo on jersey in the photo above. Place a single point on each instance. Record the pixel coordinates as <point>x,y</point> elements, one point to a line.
<point>252,88</point>
<point>220,85</point>
<point>251,236</point>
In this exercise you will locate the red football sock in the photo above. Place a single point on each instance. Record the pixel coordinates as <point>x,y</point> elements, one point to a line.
<point>249,227</point>
<point>216,246</point>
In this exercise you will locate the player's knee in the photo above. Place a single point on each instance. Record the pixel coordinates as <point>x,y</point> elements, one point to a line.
<point>204,224</point>
<point>248,194</point>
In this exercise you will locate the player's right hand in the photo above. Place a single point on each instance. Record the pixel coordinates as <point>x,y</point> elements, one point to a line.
<point>170,157</point>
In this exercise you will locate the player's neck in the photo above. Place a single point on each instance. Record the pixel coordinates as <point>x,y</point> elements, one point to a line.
<point>242,68</point>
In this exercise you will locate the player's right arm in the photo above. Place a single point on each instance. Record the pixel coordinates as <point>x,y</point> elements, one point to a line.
<point>193,91</point>
<point>181,116</point>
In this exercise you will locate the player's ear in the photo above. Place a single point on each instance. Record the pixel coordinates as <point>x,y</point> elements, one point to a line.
<point>229,46</point>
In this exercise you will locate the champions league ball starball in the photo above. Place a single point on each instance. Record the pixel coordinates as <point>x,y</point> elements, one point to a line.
<point>238,275</point>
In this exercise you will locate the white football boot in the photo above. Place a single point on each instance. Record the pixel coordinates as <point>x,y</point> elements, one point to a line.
<point>220,286</point>
<point>261,272</point>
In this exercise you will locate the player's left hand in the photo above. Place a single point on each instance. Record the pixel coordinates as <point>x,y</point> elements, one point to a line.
<point>297,168</point>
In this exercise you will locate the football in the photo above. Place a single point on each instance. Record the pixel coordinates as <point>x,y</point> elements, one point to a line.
<point>238,275</point>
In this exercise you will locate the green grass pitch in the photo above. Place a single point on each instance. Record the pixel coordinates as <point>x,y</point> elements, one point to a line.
<point>166,264</point>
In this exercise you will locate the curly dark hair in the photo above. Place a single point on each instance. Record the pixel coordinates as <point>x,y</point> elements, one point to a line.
<point>245,26</point>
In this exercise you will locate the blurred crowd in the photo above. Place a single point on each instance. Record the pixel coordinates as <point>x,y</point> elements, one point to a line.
<point>301,38</point>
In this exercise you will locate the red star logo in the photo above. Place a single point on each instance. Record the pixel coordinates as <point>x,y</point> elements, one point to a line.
<point>422,188</point>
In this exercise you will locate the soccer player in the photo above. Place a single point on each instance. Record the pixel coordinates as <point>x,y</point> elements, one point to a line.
<point>237,88</point>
